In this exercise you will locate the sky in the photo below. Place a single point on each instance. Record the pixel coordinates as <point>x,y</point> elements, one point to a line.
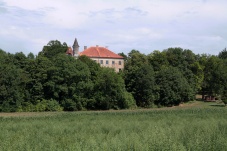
<point>121,25</point>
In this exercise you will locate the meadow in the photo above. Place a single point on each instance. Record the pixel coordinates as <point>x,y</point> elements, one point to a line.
<point>201,126</point>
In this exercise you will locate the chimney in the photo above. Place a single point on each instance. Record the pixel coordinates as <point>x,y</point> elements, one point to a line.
<point>85,47</point>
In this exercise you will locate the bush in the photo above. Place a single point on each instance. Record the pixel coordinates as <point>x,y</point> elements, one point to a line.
<point>69,105</point>
<point>224,101</point>
<point>91,104</point>
<point>7,107</point>
<point>128,102</point>
<point>41,106</point>
<point>52,105</point>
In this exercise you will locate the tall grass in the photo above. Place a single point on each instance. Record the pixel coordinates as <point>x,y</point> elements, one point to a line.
<point>188,129</point>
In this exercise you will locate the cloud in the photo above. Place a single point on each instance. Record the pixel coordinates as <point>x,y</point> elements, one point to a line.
<point>122,25</point>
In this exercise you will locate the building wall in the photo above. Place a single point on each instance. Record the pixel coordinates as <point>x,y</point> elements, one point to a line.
<point>117,64</point>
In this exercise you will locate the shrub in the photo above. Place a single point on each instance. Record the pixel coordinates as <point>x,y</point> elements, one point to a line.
<point>127,102</point>
<point>52,105</point>
<point>224,101</point>
<point>41,106</point>
<point>69,105</point>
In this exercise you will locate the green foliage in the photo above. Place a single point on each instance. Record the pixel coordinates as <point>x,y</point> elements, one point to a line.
<point>53,48</point>
<point>139,79</point>
<point>92,65</point>
<point>141,83</point>
<point>223,54</point>
<point>12,88</point>
<point>135,60</point>
<point>215,76</point>
<point>127,102</point>
<point>110,92</point>
<point>164,78</point>
<point>224,101</point>
<point>123,55</point>
<point>158,60</point>
<point>31,56</point>
<point>40,106</point>
<point>173,88</point>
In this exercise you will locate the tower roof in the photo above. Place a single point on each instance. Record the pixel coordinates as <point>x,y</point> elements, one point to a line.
<point>100,52</point>
<point>75,44</point>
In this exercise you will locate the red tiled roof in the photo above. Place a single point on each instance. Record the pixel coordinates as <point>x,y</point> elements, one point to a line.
<point>100,52</point>
<point>69,51</point>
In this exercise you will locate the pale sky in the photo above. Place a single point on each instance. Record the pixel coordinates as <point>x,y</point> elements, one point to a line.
<point>122,25</point>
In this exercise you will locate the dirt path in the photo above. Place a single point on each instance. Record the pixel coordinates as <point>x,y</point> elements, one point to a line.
<point>28,114</point>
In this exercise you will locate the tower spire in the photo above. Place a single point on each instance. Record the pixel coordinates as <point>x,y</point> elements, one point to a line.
<point>75,48</point>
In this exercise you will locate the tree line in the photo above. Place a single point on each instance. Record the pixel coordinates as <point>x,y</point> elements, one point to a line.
<point>53,81</point>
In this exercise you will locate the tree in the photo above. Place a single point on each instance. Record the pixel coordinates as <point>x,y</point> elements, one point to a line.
<point>92,65</point>
<point>68,81</point>
<point>158,60</point>
<point>214,76</point>
<point>173,88</point>
<point>31,56</point>
<point>110,92</point>
<point>123,55</point>
<point>53,48</point>
<point>145,87</point>
<point>12,87</point>
<point>223,54</point>
<point>197,69</point>
<point>140,83</point>
<point>175,56</point>
<point>184,60</point>
<point>139,79</point>
<point>14,79</point>
<point>38,73</point>
<point>20,60</point>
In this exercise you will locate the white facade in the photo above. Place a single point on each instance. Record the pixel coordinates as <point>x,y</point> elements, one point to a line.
<point>117,64</point>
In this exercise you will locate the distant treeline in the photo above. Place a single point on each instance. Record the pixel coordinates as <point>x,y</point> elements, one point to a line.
<point>53,81</point>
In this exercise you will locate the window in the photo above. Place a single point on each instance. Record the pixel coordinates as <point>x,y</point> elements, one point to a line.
<point>101,61</point>
<point>113,62</point>
<point>119,63</point>
<point>107,61</point>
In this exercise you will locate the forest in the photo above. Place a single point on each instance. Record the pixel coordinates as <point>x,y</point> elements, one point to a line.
<point>54,81</point>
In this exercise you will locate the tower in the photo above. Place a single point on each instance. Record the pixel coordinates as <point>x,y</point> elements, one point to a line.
<point>75,48</point>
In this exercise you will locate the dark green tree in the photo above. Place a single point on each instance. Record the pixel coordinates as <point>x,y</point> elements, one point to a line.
<point>68,80</point>
<point>12,87</point>
<point>158,60</point>
<point>223,54</point>
<point>173,88</point>
<point>110,92</point>
<point>123,55</point>
<point>38,70</point>
<point>92,65</point>
<point>214,72</point>
<point>139,79</point>
<point>31,56</point>
<point>53,48</point>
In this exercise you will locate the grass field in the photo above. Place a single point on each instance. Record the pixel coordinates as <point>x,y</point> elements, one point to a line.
<point>192,126</point>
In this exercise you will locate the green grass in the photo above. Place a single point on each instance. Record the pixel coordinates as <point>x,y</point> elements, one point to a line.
<point>192,127</point>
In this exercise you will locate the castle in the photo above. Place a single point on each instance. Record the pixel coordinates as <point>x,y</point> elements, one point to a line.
<point>101,55</point>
